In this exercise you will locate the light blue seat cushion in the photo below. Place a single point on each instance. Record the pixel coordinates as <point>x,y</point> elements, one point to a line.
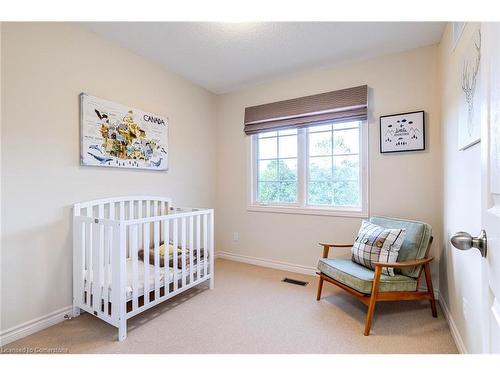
<point>414,246</point>
<point>360,278</point>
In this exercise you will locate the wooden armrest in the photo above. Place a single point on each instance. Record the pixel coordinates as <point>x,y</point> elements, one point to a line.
<point>409,263</point>
<point>333,245</point>
<point>327,246</point>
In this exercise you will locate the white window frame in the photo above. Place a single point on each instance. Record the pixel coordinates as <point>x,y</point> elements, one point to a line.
<point>302,169</point>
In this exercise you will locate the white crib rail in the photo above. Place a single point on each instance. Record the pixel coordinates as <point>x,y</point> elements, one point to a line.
<point>179,230</point>
<point>131,207</point>
<point>108,234</point>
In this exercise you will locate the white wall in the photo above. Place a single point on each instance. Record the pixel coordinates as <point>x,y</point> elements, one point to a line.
<point>407,185</point>
<point>459,271</point>
<point>44,68</point>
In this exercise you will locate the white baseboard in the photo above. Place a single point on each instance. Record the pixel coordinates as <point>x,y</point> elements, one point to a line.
<point>453,327</point>
<point>34,325</point>
<point>268,263</point>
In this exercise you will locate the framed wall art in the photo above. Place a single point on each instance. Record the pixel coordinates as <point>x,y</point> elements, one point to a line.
<point>469,121</point>
<point>402,132</point>
<point>114,135</point>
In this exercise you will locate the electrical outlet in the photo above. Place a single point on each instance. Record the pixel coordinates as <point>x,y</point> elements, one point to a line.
<point>465,307</point>
<point>236,236</point>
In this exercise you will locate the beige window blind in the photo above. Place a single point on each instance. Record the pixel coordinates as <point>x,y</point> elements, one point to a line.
<point>334,106</point>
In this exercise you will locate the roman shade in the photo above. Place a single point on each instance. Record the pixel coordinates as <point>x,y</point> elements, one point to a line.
<point>334,106</point>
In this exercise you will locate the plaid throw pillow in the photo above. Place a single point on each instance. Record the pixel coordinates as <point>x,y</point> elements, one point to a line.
<point>377,244</point>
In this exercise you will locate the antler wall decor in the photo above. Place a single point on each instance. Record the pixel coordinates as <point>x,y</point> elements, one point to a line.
<point>469,81</point>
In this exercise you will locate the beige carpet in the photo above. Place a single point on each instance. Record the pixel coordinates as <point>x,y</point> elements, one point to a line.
<point>252,311</point>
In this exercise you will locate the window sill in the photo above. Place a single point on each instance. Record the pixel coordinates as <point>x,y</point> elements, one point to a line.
<point>317,211</point>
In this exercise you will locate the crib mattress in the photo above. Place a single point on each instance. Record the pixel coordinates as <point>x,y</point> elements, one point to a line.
<point>140,277</point>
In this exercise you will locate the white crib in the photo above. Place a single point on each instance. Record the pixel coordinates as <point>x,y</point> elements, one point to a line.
<point>108,236</point>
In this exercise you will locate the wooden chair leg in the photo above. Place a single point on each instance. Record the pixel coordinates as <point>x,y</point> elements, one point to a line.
<point>430,289</point>
<point>373,301</point>
<point>320,287</point>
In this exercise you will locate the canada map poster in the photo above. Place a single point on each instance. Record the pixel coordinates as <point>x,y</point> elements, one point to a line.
<point>113,135</point>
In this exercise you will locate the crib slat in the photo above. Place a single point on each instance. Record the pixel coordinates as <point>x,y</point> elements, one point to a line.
<point>198,246</point>
<point>96,274</point>
<point>108,241</point>
<point>145,232</point>
<point>135,275</point>
<point>108,261</point>
<point>183,252</point>
<point>191,249</point>
<point>83,256</point>
<point>122,217</point>
<point>112,210</point>
<point>205,244</point>
<point>131,209</point>
<point>156,239</point>
<point>155,208</point>
<point>88,261</point>
<point>122,210</point>
<point>148,208</point>
<point>100,255</point>
<point>130,216</point>
<point>88,256</point>
<point>107,258</point>
<point>166,255</point>
<point>175,254</point>
<point>118,275</point>
<point>78,261</point>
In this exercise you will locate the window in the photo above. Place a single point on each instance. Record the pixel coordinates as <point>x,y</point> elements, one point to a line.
<point>277,167</point>
<point>317,169</point>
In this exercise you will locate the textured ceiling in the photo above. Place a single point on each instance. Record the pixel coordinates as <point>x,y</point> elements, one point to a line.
<point>227,56</point>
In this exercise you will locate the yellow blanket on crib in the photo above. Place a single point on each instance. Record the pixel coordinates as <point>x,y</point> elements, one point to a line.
<point>170,250</point>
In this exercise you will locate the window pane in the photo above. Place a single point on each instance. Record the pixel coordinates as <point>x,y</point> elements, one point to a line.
<point>346,168</point>
<point>288,192</point>
<point>288,132</point>
<point>320,193</point>
<point>268,170</point>
<point>320,168</point>
<point>268,192</point>
<point>268,134</point>
<point>288,170</point>
<point>346,141</point>
<point>288,146</point>
<point>346,193</point>
<point>320,143</point>
<point>268,148</point>
<point>346,125</point>
<point>320,128</point>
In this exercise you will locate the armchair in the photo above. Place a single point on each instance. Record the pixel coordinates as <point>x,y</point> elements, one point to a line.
<point>371,286</point>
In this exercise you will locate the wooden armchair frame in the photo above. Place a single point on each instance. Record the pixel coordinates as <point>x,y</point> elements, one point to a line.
<point>371,299</point>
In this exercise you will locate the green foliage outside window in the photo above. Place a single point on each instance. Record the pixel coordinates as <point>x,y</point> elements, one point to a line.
<point>335,181</point>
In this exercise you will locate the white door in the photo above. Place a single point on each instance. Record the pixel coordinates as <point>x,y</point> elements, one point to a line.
<point>490,183</point>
